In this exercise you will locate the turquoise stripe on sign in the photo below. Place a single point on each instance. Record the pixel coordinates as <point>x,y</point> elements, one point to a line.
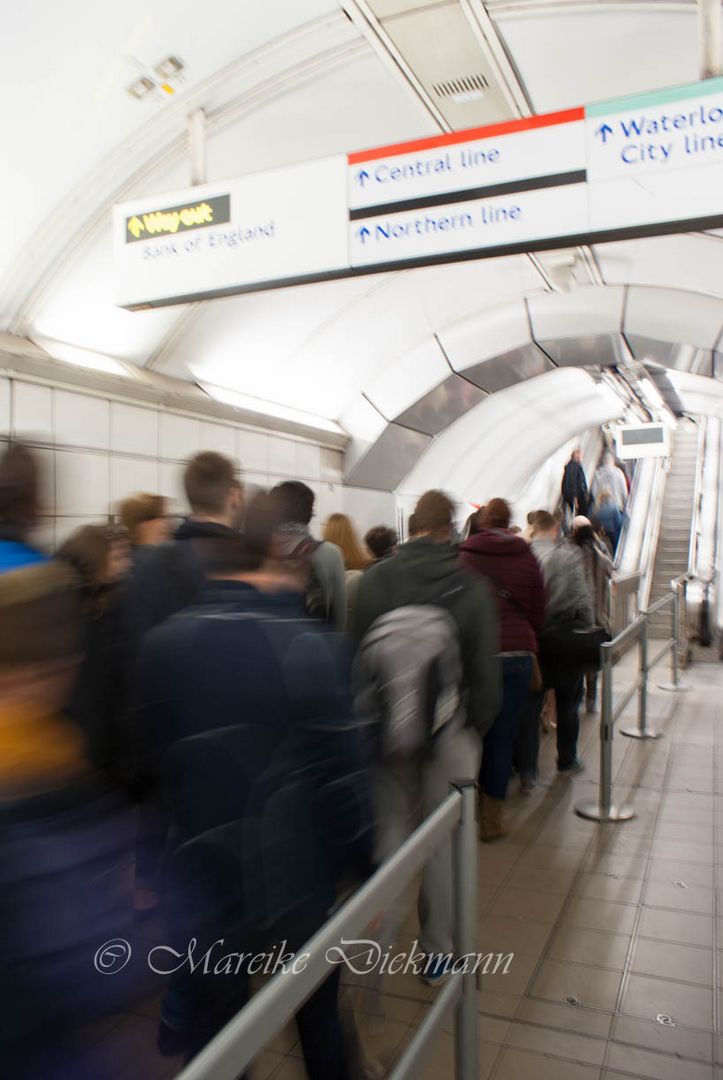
<point>657,97</point>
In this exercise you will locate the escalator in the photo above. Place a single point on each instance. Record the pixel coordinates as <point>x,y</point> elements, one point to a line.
<point>673,550</point>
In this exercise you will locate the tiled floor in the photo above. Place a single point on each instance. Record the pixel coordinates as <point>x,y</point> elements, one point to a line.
<point>611,925</point>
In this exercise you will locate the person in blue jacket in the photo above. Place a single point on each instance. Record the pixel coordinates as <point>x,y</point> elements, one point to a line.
<point>19,484</point>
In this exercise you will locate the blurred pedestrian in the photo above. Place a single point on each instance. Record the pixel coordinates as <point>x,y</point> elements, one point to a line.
<point>507,564</point>
<point>574,490</point>
<point>340,531</point>
<point>65,841</point>
<point>100,556</point>
<point>19,484</point>
<point>325,594</point>
<point>382,542</point>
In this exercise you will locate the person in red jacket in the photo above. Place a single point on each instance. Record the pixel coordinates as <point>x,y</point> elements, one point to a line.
<point>514,575</point>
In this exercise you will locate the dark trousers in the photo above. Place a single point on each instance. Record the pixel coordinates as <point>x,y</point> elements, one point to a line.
<point>499,743</point>
<point>527,743</point>
<point>568,686</point>
<point>201,1004</point>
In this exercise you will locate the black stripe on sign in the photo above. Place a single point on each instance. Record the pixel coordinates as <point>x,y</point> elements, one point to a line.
<point>579,176</point>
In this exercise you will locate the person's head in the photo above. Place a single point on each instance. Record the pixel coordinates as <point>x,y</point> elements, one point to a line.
<point>99,555</point>
<point>144,516</point>
<point>19,485</point>
<point>340,531</point>
<point>435,516</point>
<point>608,458</point>
<point>604,496</point>
<point>582,531</point>
<point>412,526</point>
<point>545,527</point>
<point>496,514</point>
<point>297,500</point>
<point>576,455</point>
<point>39,658</point>
<point>212,488</point>
<point>381,541</point>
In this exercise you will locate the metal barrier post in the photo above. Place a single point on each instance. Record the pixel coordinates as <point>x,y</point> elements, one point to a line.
<point>675,617</point>
<point>642,731</point>
<point>603,809</point>
<point>465,888</point>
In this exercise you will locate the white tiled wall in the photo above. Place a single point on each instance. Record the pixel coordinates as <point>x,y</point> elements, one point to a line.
<point>95,451</point>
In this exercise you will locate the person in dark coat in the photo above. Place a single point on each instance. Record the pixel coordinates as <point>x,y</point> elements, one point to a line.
<point>19,482</point>
<point>171,577</point>
<point>513,574</point>
<point>245,706</point>
<point>65,842</point>
<point>574,489</point>
<point>166,579</point>
<point>100,556</point>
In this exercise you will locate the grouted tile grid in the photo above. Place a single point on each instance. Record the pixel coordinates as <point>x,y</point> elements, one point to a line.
<point>591,895</point>
<point>591,911</point>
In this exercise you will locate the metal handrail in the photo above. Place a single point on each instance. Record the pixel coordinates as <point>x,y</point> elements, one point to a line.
<point>268,1012</point>
<point>605,809</point>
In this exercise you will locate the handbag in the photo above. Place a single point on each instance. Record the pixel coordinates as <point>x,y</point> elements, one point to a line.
<point>573,645</point>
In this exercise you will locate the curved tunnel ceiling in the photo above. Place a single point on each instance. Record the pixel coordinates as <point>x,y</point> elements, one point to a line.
<point>409,362</point>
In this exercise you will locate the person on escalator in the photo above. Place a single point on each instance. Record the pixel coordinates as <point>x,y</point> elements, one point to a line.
<point>574,490</point>
<point>609,477</point>
<point>609,517</point>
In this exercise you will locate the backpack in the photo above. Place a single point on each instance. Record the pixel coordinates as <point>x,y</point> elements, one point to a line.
<point>409,672</point>
<point>315,601</point>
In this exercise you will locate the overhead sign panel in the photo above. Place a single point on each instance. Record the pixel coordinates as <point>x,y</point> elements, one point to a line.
<point>267,228</point>
<point>474,225</point>
<point>637,166</point>
<point>479,161</point>
<point>656,158</point>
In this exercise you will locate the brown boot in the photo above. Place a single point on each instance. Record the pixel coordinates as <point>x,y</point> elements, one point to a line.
<point>491,826</point>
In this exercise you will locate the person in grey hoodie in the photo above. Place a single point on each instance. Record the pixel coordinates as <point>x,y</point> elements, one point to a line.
<point>609,477</point>
<point>569,607</point>
<point>425,572</point>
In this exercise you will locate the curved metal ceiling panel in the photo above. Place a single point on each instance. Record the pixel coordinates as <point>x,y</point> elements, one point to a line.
<point>509,368</point>
<point>673,316</point>
<point>562,51</point>
<point>488,333</point>
<point>388,461</point>
<point>442,406</point>
<point>670,354</point>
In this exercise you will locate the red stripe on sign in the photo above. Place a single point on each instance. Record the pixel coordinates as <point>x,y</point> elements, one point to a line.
<point>528,123</point>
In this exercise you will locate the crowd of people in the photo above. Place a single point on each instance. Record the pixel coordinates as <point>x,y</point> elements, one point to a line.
<point>234,722</point>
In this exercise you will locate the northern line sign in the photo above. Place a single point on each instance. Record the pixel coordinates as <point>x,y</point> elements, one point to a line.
<point>639,166</point>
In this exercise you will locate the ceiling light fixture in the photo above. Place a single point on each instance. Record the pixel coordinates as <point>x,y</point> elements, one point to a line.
<point>85,358</point>
<point>274,409</point>
<point>141,88</point>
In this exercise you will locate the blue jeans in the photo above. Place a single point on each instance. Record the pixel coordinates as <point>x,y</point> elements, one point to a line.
<point>499,742</point>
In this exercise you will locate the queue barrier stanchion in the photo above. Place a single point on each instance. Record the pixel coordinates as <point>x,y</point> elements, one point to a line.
<point>676,685</point>
<point>642,731</point>
<point>605,809</point>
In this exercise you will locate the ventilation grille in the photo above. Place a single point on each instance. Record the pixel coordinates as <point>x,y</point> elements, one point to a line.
<point>469,86</point>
